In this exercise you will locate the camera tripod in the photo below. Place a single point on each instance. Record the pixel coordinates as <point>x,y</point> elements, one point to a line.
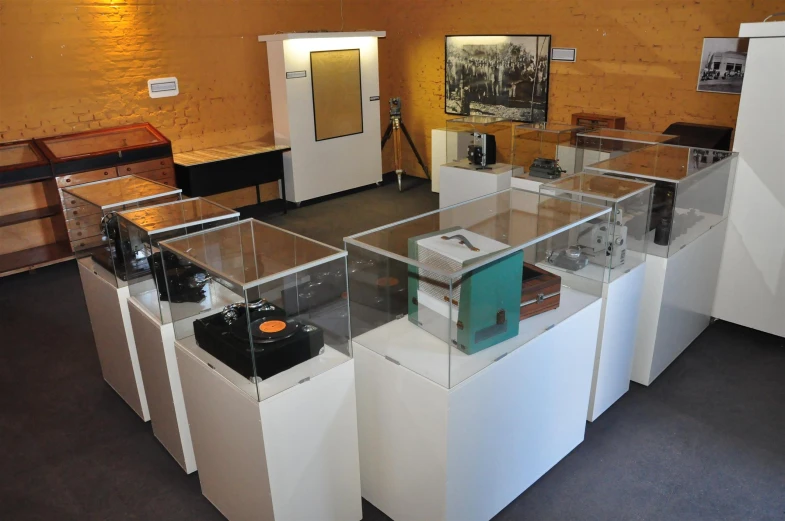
<point>394,129</point>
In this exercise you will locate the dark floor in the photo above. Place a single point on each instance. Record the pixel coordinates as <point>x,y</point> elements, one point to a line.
<point>705,442</point>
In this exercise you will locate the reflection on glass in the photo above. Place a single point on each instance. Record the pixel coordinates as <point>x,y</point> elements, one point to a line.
<point>17,155</point>
<point>105,141</point>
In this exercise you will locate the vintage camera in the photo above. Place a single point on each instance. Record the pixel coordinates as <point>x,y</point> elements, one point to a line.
<point>571,258</point>
<point>546,168</point>
<point>598,244</point>
<point>395,107</point>
<point>483,151</point>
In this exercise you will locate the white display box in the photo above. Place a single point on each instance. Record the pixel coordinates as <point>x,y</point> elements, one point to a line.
<point>316,168</point>
<point>267,373</point>
<point>107,306</point>
<point>460,181</point>
<point>466,396</point>
<point>624,254</point>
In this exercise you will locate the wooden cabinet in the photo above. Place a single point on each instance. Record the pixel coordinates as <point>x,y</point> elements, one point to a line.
<point>593,121</point>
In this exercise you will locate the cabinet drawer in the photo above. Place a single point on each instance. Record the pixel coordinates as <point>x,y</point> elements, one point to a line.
<point>158,175</point>
<point>86,177</point>
<point>70,201</point>
<point>83,222</point>
<point>84,233</point>
<point>145,166</point>
<point>81,211</point>
<point>90,242</point>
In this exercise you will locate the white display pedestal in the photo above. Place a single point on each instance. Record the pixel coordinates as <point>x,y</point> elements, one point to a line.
<point>460,182</point>
<point>432,453</point>
<point>292,456</point>
<point>621,299</point>
<point>751,284</point>
<point>525,182</point>
<point>318,168</point>
<point>107,306</point>
<point>678,293</point>
<point>155,346</point>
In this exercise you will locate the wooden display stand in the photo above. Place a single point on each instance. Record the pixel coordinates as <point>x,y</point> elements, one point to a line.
<point>158,363</point>
<point>107,306</point>
<point>292,456</point>
<point>437,453</point>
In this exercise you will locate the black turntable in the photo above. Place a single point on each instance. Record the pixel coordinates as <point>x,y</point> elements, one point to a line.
<point>279,343</point>
<point>186,281</point>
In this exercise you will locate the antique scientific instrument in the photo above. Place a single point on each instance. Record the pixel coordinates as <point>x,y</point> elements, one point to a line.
<point>394,129</point>
<point>483,307</point>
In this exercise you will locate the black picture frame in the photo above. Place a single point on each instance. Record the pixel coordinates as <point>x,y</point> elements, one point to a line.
<point>493,97</point>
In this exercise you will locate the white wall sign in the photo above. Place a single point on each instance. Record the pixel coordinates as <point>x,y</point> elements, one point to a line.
<point>564,54</point>
<point>163,87</point>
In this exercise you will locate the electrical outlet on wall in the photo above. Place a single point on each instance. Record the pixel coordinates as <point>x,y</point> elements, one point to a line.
<point>163,87</point>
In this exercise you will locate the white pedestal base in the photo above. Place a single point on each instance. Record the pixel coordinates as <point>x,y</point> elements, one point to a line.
<point>114,339</point>
<point>616,340</point>
<point>459,184</point>
<point>428,452</point>
<point>155,346</point>
<point>678,293</point>
<point>526,182</point>
<point>292,456</point>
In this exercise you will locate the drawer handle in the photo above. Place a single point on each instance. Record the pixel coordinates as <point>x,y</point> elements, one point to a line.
<point>78,223</point>
<point>67,179</point>
<point>106,173</point>
<point>79,234</point>
<point>76,213</point>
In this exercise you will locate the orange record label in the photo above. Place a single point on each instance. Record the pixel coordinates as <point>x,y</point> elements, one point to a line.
<point>272,326</point>
<point>386,282</point>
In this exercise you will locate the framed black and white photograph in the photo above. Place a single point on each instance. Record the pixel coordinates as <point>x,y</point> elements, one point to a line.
<point>723,61</point>
<point>505,76</point>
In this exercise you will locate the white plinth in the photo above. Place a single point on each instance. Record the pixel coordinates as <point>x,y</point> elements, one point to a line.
<point>432,453</point>
<point>459,181</point>
<point>107,306</point>
<point>155,346</point>
<point>751,285</point>
<point>678,293</point>
<point>293,456</point>
<point>621,300</point>
<point>526,182</point>
<point>318,168</point>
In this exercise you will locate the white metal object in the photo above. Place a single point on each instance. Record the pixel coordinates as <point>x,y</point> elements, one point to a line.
<point>564,54</point>
<point>428,452</point>
<point>163,87</point>
<point>317,168</point>
<point>107,306</point>
<point>676,305</point>
<point>459,182</point>
<point>155,347</point>
<point>292,456</point>
<point>751,285</point>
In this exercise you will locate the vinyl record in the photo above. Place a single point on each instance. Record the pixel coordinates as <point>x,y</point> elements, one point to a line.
<point>265,330</point>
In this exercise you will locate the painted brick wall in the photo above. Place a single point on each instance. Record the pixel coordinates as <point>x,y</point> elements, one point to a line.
<point>69,65</point>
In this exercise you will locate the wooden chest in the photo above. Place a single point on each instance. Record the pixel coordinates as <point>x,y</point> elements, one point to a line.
<point>540,291</point>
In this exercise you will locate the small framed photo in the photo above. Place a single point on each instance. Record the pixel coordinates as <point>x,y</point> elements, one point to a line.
<point>723,61</point>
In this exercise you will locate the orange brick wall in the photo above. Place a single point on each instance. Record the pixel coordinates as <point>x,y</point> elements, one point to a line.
<point>70,65</point>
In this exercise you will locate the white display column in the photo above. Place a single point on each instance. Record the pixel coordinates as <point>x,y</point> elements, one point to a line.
<point>315,168</point>
<point>751,287</point>
<point>676,305</point>
<point>459,181</point>
<point>428,452</point>
<point>292,456</point>
<point>107,306</point>
<point>155,346</point>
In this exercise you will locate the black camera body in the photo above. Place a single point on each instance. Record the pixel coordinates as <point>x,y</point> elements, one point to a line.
<point>484,153</point>
<point>546,168</point>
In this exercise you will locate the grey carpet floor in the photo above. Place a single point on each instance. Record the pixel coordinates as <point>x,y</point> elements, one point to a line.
<point>705,442</point>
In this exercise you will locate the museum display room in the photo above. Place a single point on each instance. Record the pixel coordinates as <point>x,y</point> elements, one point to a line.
<point>506,305</point>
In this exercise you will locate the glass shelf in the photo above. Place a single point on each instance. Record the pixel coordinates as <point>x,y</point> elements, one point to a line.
<point>604,143</point>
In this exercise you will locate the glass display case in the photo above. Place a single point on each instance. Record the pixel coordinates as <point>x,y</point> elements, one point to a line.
<point>275,310</point>
<point>692,189</point>
<point>447,293</point>
<point>545,150</point>
<point>623,246</point>
<point>479,142</point>
<point>142,229</point>
<point>605,143</point>
<point>99,148</point>
<point>22,161</point>
<point>99,222</point>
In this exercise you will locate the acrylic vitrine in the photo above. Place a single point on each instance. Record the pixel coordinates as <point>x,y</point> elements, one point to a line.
<point>600,144</point>
<point>479,142</point>
<point>545,150</point>
<point>623,245</point>
<point>447,293</point>
<point>274,311</point>
<point>142,229</point>
<point>691,193</point>
<point>103,200</point>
